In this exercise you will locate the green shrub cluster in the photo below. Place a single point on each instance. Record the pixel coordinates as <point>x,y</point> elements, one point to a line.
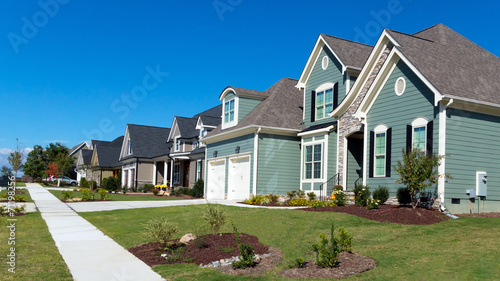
<point>361,195</point>
<point>67,194</point>
<point>183,190</point>
<point>262,199</point>
<point>84,182</point>
<point>111,184</point>
<point>404,196</point>
<point>198,188</point>
<point>103,193</point>
<point>148,187</point>
<point>87,194</point>
<point>161,230</point>
<point>339,197</point>
<point>327,251</point>
<point>381,194</point>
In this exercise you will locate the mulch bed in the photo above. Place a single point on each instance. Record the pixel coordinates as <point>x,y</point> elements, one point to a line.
<point>389,213</point>
<point>481,215</point>
<point>348,264</point>
<point>202,250</point>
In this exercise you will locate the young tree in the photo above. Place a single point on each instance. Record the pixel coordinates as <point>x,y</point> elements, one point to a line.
<point>16,159</point>
<point>53,169</point>
<point>36,163</point>
<point>418,171</point>
<point>59,154</point>
<point>6,171</point>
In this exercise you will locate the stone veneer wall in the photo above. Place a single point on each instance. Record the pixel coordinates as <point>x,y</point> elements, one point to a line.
<point>349,124</point>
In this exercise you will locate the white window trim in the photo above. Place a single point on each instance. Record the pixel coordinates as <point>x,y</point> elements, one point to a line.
<point>199,172</point>
<point>323,88</point>
<point>419,122</point>
<point>313,143</point>
<point>324,62</point>
<point>233,123</point>
<point>380,129</point>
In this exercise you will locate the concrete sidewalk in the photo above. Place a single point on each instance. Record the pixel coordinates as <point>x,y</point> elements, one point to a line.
<point>89,254</point>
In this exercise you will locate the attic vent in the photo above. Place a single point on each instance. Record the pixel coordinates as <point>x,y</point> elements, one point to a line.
<point>324,63</point>
<point>400,86</point>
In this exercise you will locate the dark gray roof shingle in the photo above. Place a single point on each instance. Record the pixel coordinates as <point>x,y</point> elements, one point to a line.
<point>187,127</point>
<point>351,53</point>
<point>108,152</point>
<point>148,141</point>
<point>86,156</point>
<point>281,109</point>
<point>454,65</point>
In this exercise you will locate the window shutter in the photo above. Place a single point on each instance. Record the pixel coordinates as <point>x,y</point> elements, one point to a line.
<point>409,141</point>
<point>313,106</point>
<point>335,95</point>
<point>372,154</point>
<point>429,135</point>
<point>388,147</point>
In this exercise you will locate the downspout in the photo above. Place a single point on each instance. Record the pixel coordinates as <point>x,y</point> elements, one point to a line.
<point>442,151</point>
<point>136,170</point>
<point>255,159</point>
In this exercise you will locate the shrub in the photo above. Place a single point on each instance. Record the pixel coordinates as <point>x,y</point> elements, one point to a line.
<point>299,263</point>
<point>198,188</point>
<point>111,184</point>
<point>326,253</point>
<point>311,196</point>
<point>339,197</point>
<point>301,194</point>
<point>215,217</point>
<point>148,187</point>
<point>92,185</point>
<point>67,194</point>
<point>187,191</point>
<point>338,187</point>
<point>291,194</point>
<point>381,194</point>
<point>361,195</point>
<point>103,193</point>
<point>124,189</point>
<point>87,194</point>
<point>345,240</point>
<point>262,199</point>
<point>84,182</point>
<point>298,202</point>
<point>273,197</point>
<point>246,253</point>
<point>155,191</point>
<point>372,203</point>
<point>404,196</point>
<point>21,198</point>
<point>317,203</point>
<point>62,183</point>
<point>160,229</point>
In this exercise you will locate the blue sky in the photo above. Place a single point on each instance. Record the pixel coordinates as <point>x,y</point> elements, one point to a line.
<point>73,70</point>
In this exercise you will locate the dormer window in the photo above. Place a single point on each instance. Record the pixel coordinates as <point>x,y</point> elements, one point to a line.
<point>229,111</point>
<point>177,144</point>
<point>324,100</point>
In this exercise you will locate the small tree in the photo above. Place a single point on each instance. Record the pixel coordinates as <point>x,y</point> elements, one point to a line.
<point>16,159</point>
<point>53,169</point>
<point>36,163</point>
<point>417,171</point>
<point>215,217</point>
<point>6,171</point>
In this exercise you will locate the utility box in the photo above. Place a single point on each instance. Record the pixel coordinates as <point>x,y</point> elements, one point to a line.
<point>481,183</point>
<point>471,193</point>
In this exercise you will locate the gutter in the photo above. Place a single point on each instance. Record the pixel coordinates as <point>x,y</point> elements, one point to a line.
<point>136,170</point>
<point>255,159</point>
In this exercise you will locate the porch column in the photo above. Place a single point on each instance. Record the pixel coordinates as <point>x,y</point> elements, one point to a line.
<point>165,172</point>
<point>154,173</point>
<point>172,172</point>
<point>130,183</point>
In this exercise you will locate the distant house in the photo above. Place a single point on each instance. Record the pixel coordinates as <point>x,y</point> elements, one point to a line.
<point>105,159</point>
<point>256,149</point>
<point>75,151</point>
<point>187,153</point>
<point>144,155</point>
<point>83,164</point>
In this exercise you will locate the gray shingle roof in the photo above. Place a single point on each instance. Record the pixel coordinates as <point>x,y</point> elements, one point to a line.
<point>453,64</point>
<point>108,152</point>
<point>211,121</point>
<point>77,147</point>
<point>86,156</point>
<point>148,141</point>
<point>281,109</point>
<point>187,127</point>
<point>215,111</point>
<point>199,150</point>
<point>351,53</point>
<point>243,91</point>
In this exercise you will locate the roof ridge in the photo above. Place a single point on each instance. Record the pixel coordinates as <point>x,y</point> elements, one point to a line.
<point>411,35</point>
<point>427,28</point>
<point>347,40</point>
<point>148,126</point>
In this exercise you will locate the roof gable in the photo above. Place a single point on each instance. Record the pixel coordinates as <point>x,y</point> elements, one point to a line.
<point>146,141</point>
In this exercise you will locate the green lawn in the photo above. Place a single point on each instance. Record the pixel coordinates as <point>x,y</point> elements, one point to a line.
<point>119,197</point>
<point>37,257</point>
<point>463,249</point>
<point>26,194</point>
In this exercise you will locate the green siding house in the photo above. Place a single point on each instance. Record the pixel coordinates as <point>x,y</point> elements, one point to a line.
<point>434,90</point>
<point>256,148</point>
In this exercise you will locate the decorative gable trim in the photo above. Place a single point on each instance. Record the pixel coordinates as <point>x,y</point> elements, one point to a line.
<point>124,149</point>
<point>313,58</point>
<point>171,135</point>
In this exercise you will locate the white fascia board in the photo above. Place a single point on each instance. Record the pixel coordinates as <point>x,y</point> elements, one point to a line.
<point>472,105</point>
<point>248,130</point>
<point>126,136</point>
<point>316,132</point>
<point>240,94</point>
<point>199,124</point>
<point>172,130</point>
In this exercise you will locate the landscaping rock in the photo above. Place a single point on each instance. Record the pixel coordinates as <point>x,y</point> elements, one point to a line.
<point>188,237</point>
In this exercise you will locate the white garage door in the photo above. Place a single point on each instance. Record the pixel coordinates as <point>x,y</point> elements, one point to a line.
<point>216,179</point>
<point>239,178</point>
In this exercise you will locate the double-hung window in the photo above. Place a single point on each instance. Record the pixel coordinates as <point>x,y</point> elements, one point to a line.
<point>229,111</point>
<point>324,103</point>
<point>312,163</point>
<point>177,144</point>
<point>129,147</point>
<point>419,134</point>
<point>380,154</point>
<point>198,169</point>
